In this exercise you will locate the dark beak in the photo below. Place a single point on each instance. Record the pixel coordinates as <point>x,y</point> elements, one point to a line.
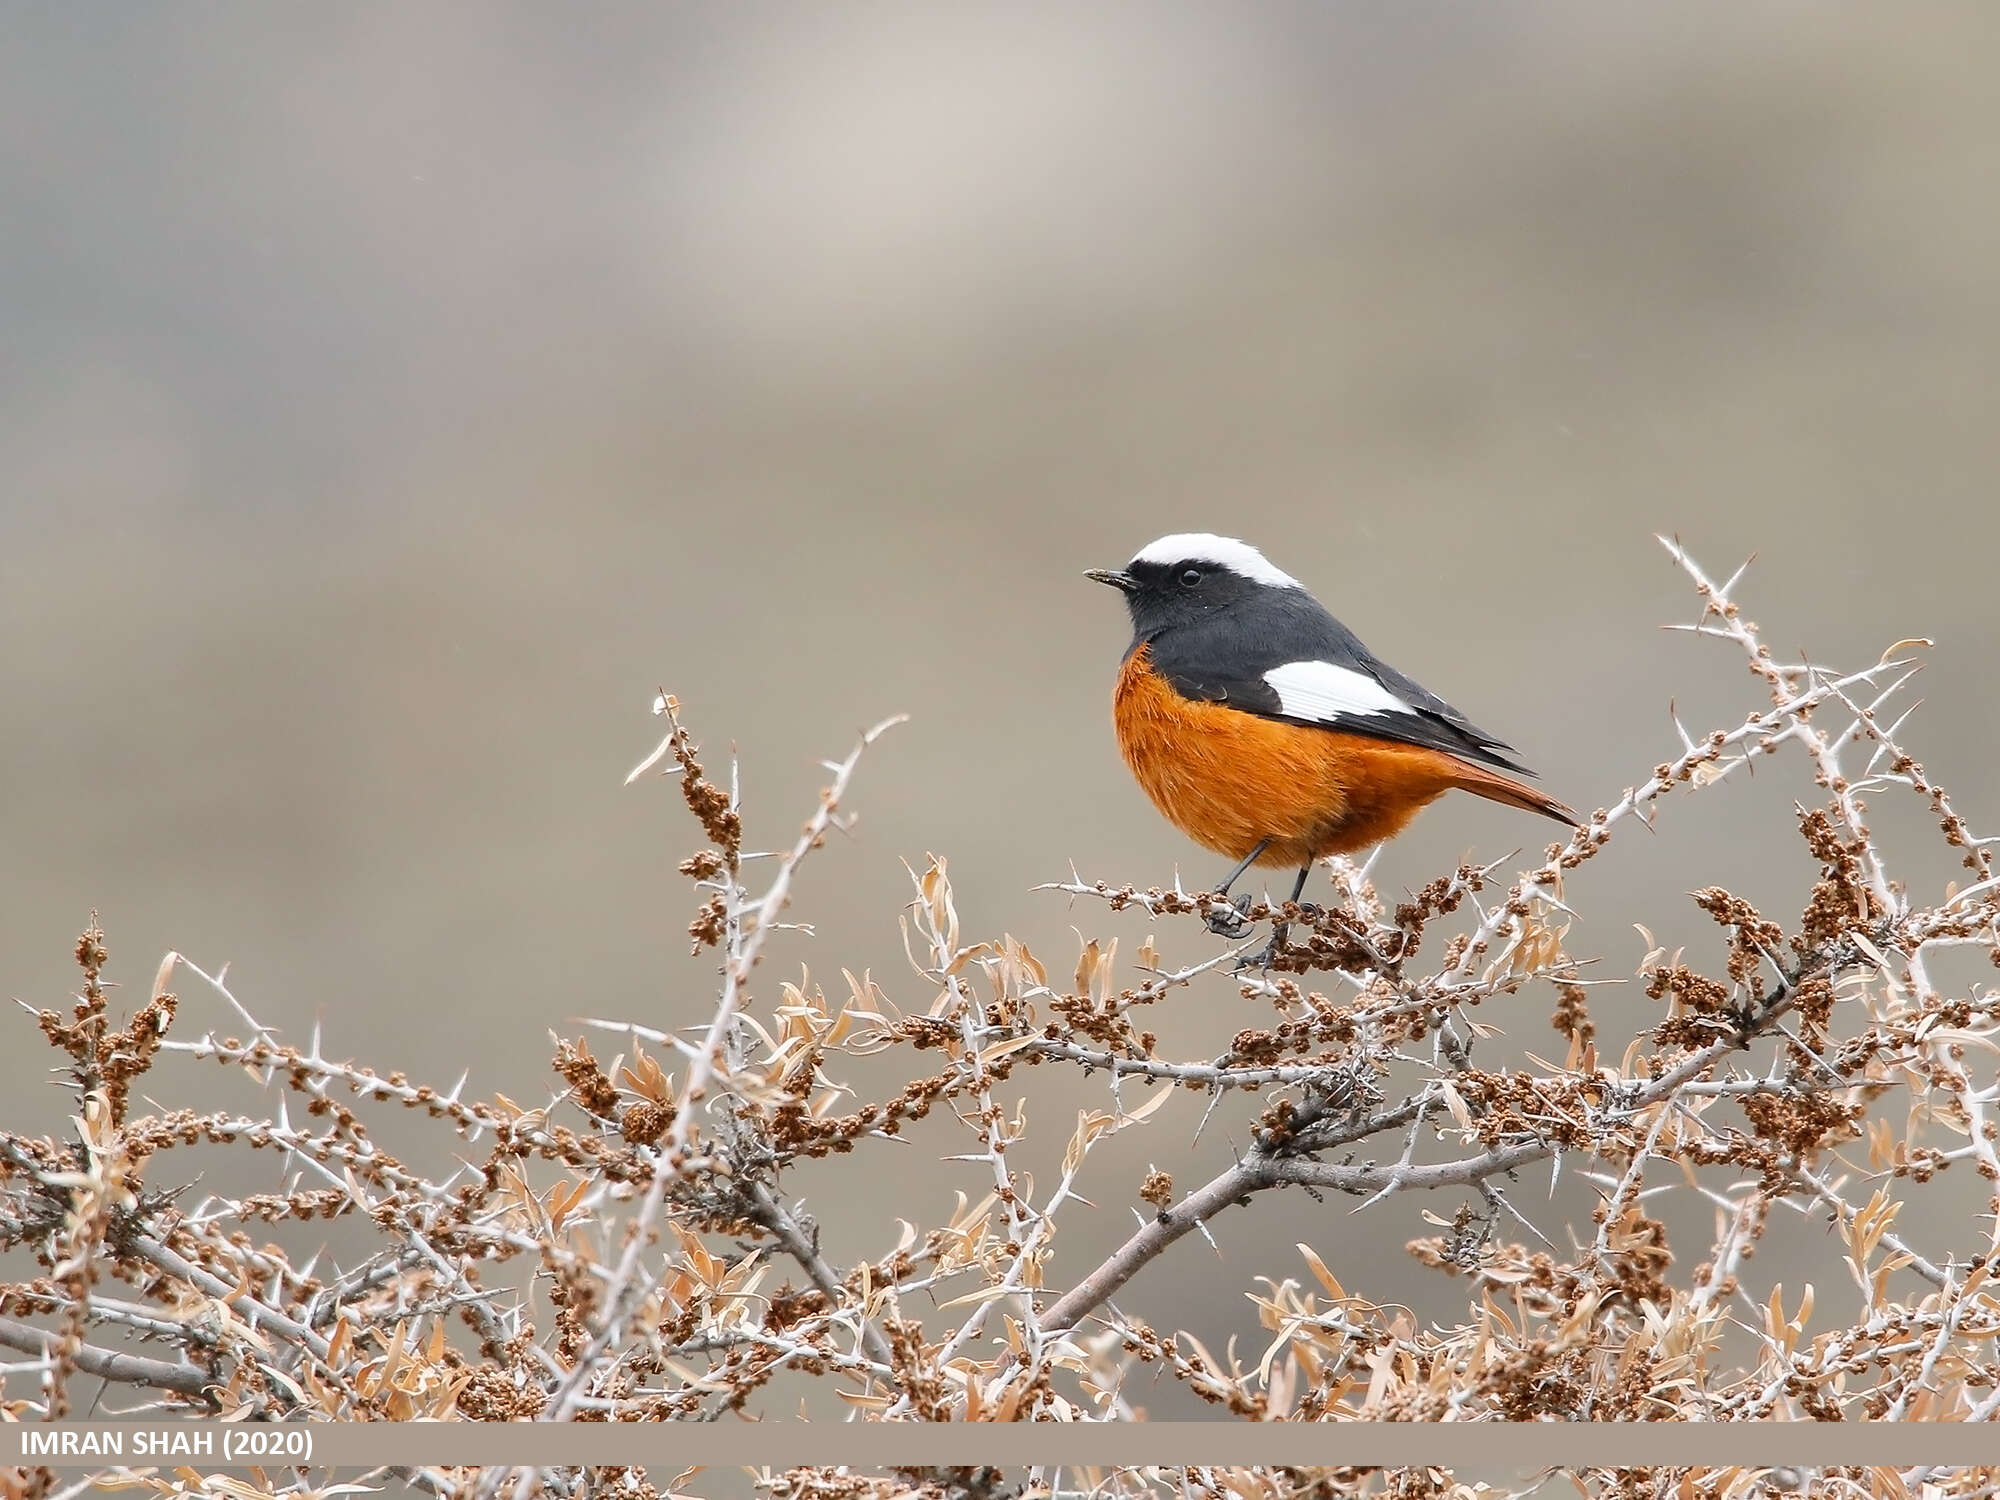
<point>1114,577</point>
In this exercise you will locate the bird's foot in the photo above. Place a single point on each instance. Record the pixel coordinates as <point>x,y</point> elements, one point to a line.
<point>1229,921</point>
<point>1265,956</point>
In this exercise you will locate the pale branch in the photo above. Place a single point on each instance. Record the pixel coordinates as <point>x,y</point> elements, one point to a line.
<point>1261,1170</point>
<point>804,1249</point>
<point>627,1288</point>
<point>113,1364</point>
<point>738,963</point>
<point>254,1312</point>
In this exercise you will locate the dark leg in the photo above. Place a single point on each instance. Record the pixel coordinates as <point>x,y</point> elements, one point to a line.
<point>1278,935</point>
<point>1237,873</point>
<point>1233,926</point>
<point>1298,889</point>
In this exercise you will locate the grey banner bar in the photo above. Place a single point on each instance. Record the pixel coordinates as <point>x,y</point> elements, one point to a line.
<point>1523,1446</point>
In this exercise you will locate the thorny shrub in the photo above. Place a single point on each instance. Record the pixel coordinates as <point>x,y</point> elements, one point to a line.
<point>1820,1069</point>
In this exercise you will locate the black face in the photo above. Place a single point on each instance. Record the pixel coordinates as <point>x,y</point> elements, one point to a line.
<point>1162,596</point>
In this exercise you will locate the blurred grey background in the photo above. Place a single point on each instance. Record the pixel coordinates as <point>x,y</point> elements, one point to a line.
<point>395,397</point>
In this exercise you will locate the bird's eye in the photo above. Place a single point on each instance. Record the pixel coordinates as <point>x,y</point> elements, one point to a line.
<point>1190,577</point>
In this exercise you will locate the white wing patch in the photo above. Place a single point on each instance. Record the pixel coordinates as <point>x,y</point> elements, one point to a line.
<point>1319,692</point>
<point>1224,551</point>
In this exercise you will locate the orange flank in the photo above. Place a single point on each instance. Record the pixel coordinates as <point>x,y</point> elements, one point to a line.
<point>1228,778</point>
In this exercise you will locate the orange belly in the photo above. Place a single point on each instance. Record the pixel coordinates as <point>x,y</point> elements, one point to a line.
<point>1230,779</point>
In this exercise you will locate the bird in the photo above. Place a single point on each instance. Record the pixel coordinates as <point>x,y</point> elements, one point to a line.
<point>1265,731</point>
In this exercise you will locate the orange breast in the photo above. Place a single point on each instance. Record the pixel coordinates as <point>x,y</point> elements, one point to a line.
<point>1229,779</point>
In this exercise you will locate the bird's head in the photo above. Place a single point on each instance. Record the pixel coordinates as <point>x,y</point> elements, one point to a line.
<point>1190,576</point>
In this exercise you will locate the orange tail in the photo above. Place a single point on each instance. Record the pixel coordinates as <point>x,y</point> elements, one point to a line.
<point>1497,788</point>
